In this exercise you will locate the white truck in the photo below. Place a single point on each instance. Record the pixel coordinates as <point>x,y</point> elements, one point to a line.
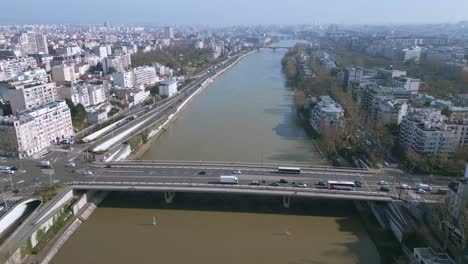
<point>228,179</point>
<point>424,187</point>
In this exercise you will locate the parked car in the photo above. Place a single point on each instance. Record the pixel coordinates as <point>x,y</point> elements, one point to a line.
<point>358,183</point>
<point>71,164</point>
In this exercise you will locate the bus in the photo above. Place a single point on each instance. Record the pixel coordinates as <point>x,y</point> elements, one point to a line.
<point>290,170</point>
<point>341,185</point>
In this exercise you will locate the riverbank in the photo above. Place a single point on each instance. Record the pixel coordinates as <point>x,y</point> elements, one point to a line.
<point>156,133</point>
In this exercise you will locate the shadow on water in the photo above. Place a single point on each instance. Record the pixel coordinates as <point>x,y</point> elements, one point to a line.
<point>346,216</point>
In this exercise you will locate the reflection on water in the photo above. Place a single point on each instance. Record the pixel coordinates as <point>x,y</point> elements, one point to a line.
<point>219,229</point>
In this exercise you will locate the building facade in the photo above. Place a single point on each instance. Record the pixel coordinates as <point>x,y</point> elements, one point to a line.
<point>326,113</point>
<point>168,87</point>
<point>24,96</point>
<point>426,133</point>
<point>36,129</point>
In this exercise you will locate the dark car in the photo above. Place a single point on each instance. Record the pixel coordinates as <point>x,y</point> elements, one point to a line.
<point>109,166</point>
<point>202,173</point>
<point>13,168</point>
<point>16,191</point>
<point>358,183</point>
<point>384,189</point>
<point>321,183</point>
<point>283,181</point>
<point>274,184</point>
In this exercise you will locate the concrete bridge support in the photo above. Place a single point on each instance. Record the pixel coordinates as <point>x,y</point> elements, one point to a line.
<point>286,201</point>
<point>169,196</point>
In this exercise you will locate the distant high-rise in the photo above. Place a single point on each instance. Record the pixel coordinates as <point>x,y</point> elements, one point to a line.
<point>31,43</point>
<point>168,33</point>
<point>106,23</point>
<point>41,43</point>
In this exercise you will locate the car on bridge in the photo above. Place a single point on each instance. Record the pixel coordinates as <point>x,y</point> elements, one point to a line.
<point>358,183</point>
<point>300,185</point>
<point>254,183</point>
<point>201,173</point>
<point>384,189</point>
<point>283,181</point>
<point>383,183</point>
<point>274,184</point>
<point>405,186</point>
<point>237,172</point>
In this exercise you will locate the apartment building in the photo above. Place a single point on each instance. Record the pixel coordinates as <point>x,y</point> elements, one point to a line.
<point>372,91</point>
<point>390,111</point>
<point>34,130</point>
<point>26,95</point>
<point>136,77</point>
<point>425,132</point>
<point>12,67</point>
<point>118,62</point>
<point>85,94</point>
<point>168,87</point>
<point>409,84</point>
<point>326,113</point>
<point>64,73</point>
<point>145,75</point>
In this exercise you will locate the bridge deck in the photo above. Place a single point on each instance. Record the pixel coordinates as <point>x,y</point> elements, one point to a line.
<point>235,189</point>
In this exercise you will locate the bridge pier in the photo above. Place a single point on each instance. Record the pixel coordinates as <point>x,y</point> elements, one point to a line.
<point>169,196</point>
<point>286,201</point>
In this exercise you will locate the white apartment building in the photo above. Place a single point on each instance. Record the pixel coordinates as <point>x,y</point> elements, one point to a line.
<point>37,75</point>
<point>429,256</point>
<point>168,87</point>
<point>410,84</point>
<point>460,132</point>
<point>12,67</point>
<point>85,94</point>
<point>391,112</point>
<point>124,79</point>
<point>425,132</point>
<point>118,63</point>
<point>326,114</point>
<point>64,73</point>
<point>34,130</point>
<point>24,96</point>
<point>145,75</point>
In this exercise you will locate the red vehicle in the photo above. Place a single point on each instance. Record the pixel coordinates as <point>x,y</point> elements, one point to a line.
<point>109,166</point>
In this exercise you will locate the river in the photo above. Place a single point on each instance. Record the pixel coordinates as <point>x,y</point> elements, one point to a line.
<point>225,229</point>
<point>247,115</point>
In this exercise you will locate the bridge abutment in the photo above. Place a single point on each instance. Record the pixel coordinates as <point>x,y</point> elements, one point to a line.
<point>169,196</point>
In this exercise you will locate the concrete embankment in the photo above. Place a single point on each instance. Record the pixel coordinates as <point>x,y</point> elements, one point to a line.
<point>90,201</point>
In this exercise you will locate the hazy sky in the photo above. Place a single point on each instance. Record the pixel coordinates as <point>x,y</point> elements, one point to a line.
<point>158,12</point>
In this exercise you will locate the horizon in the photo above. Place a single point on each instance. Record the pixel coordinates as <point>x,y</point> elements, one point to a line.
<point>241,12</point>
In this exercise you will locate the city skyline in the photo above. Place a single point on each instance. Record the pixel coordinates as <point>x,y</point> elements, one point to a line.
<point>145,12</point>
